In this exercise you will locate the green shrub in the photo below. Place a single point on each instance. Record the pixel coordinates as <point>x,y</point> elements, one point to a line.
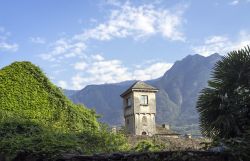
<point>25,136</point>
<point>148,146</point>
<point>103,141</point>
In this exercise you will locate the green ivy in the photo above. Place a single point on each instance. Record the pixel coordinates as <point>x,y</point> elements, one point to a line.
<point>27,93</point>
<point>35,117</point>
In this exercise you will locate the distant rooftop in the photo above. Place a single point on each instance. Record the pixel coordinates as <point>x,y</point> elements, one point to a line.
<point>164,131</point>
<point>139,85</point>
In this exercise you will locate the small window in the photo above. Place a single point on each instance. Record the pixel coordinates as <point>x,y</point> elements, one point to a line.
<point>127,121</point>
<point>128,101</point>
<point>144,100</point>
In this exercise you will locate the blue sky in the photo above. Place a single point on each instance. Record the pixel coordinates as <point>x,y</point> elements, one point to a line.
<point>83,42</point>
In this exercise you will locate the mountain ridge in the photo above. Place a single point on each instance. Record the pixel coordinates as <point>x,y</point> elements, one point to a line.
<point>178,90</point>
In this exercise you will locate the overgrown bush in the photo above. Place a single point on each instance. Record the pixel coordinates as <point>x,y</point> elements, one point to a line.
<point>25,136</point>
<point>148,146</point>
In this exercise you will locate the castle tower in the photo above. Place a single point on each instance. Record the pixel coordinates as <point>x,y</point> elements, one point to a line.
<point>139,104</point>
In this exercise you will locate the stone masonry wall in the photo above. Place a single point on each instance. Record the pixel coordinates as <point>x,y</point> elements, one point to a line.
<point>157,156</point>
<point>153,156</point>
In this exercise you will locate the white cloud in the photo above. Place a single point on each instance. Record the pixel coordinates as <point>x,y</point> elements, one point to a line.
<point>107,71</point>
<point>137,22</point>
<point>216,39</point>
<point>113,2</point>
<point>38,40</point>
<point>59,71</point>
<point>64,48</point>
<point>244,40</point>
<point>98,70</point>
<point>62,84</point>
<point>222,44</point>
<point>213,44</point>
<point>78,82</point>
<point>153,71</point>
<point>5,45</point>
<point>124,21</point>
<point>235,2</point>
<point>168,27</point>
<point>97,57</point>
<point>113,71</point>
<point>80,65</point>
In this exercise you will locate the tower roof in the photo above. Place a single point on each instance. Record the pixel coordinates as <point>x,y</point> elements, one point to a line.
<point>139,86</point>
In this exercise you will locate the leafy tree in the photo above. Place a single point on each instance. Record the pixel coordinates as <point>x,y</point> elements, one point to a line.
<point>224,106</point>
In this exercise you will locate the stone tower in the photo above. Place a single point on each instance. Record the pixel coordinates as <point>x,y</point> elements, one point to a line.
<point>139,104</point>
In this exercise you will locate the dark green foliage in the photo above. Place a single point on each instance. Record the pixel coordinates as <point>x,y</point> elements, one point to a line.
<point>27,93</point>
<point>103,141</point>
<point>224,106</point>
<point>25,136</point>
<point>148,146</point>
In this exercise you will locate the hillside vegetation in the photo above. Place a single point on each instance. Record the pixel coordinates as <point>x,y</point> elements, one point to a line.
<point>27,93</point>
<point>36,117</point>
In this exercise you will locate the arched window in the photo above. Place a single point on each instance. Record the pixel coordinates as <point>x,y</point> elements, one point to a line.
<point>144,133</point>
<point>144,121</point>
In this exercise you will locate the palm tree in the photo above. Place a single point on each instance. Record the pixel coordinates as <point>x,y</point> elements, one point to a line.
<point>225,104</point>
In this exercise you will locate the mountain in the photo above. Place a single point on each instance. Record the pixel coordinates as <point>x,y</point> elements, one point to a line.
<point>106,100</point>
<point>27,94</point>
<point>69,92</point>
<point>178,91</point>
<point>180,87</point>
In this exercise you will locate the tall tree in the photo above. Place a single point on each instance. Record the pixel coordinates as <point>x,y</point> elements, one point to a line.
<point>224,106</point>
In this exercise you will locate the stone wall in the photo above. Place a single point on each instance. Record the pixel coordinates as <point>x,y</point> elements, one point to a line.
<point>156,156</point>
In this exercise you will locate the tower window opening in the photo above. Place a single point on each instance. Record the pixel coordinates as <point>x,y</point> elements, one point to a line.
<point>144,100</point>
<point>128,101</point>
